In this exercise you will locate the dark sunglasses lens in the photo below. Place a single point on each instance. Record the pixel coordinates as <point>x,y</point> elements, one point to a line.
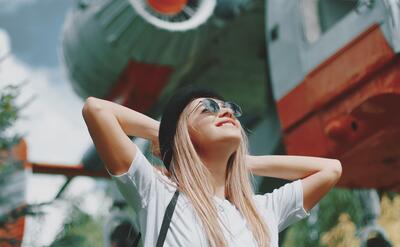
<point>237,111</point>
<point>211,105</point>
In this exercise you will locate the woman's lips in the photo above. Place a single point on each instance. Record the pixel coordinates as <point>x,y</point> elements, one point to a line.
<point>226,122</point>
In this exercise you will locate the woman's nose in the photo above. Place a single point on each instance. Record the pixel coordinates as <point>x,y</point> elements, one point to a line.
<point>226,112</point>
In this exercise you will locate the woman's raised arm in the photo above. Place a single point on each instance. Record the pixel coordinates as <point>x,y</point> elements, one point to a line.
<point>110,124</point>
<point>318,175</point>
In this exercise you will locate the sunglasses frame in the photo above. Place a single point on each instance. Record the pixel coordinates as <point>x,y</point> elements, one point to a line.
<point>213,106</point>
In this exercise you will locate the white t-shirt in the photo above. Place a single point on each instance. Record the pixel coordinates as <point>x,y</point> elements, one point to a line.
<point>149,192</point>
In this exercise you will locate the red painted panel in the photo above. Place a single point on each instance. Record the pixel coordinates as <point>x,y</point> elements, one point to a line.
<point>308,139</point>
<point>167,7</point>
<point>13,231</point>
<point>349,109</point>
<point>348,67</point>
<point>67,170</point>
<point>293,106</point>
<point>140,85</point>
<point>362,129</point>
<point>14,228</point>
<point>374,162</point>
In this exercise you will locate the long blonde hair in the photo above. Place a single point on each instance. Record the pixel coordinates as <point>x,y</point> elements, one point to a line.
<point>193,179</point>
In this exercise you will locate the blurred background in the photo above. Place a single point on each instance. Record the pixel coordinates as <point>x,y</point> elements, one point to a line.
<point>314,77</point>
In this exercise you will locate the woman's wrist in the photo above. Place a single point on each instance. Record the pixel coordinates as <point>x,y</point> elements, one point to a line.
<point>250,163</point>
<point>152,133</point>
<point>153,138</point>
<point>260,165</point>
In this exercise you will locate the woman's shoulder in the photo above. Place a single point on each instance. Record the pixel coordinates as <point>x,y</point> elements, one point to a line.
<point>164,177</point>
<point>286,195</point>
<point>285,203</point>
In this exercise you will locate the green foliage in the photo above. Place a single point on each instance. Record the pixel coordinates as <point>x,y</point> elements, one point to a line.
<point>9,113</point>
<point>339,201</point>
<point>336,202</point>
<point>80,229</point>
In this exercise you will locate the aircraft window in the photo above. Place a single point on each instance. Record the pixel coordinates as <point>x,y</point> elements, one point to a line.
<point>318,16</point>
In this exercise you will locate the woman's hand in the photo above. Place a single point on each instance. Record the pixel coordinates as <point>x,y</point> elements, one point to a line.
<point>155,148</point>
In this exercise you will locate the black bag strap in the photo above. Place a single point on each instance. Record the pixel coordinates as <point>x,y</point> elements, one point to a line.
<point>167,219</point>
<point>165,223</point>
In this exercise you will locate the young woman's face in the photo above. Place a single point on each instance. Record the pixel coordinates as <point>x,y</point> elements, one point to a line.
<point>207,127</point>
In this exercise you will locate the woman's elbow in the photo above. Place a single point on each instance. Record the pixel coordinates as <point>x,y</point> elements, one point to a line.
<point>336,169</point>
<point>91,105</point>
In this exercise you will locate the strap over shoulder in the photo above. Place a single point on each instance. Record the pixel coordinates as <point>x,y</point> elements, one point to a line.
<point>167,219</point>
<point>165,223</point>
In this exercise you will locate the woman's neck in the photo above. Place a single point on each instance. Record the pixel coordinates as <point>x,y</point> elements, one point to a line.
<point>217,162</point>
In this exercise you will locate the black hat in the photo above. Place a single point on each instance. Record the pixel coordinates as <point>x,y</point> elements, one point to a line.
<point>171,114</point>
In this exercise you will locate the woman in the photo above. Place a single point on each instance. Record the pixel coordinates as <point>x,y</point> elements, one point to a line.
<point>204,148</point>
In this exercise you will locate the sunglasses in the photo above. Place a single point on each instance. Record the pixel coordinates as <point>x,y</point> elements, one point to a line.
<point>213,106</point>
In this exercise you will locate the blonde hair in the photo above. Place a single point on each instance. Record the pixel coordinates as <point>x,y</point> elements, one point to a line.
<point>193,179</point>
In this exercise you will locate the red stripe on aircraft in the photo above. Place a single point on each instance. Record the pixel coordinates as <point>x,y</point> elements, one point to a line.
<point>140,85</point>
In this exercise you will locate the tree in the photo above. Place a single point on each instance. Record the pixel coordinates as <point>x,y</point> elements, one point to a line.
<point>332,207</point>
<point>80,229</point>
<point>12,207</point>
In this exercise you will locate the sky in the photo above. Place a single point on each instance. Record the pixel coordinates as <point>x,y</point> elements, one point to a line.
<point>52,123</point>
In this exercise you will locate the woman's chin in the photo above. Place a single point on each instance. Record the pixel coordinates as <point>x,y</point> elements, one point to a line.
<point>229,140</point>
<point>206,139</point>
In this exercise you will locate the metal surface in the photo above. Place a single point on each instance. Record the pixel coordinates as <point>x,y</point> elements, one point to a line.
<point>100,39</point>
<point>343,102</point>
<point>288,45</point>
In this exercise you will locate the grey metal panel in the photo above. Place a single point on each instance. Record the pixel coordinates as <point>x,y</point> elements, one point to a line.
<point>391,28</point>
<point>91,64</point>
<point>340,34</point>
<point>100,38</point>
<point>266,135</point>
<point>293,57</point>
<point>229,9</point>
<point>284,57</point>
<point>265,139</point>
<point>330,11</point>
